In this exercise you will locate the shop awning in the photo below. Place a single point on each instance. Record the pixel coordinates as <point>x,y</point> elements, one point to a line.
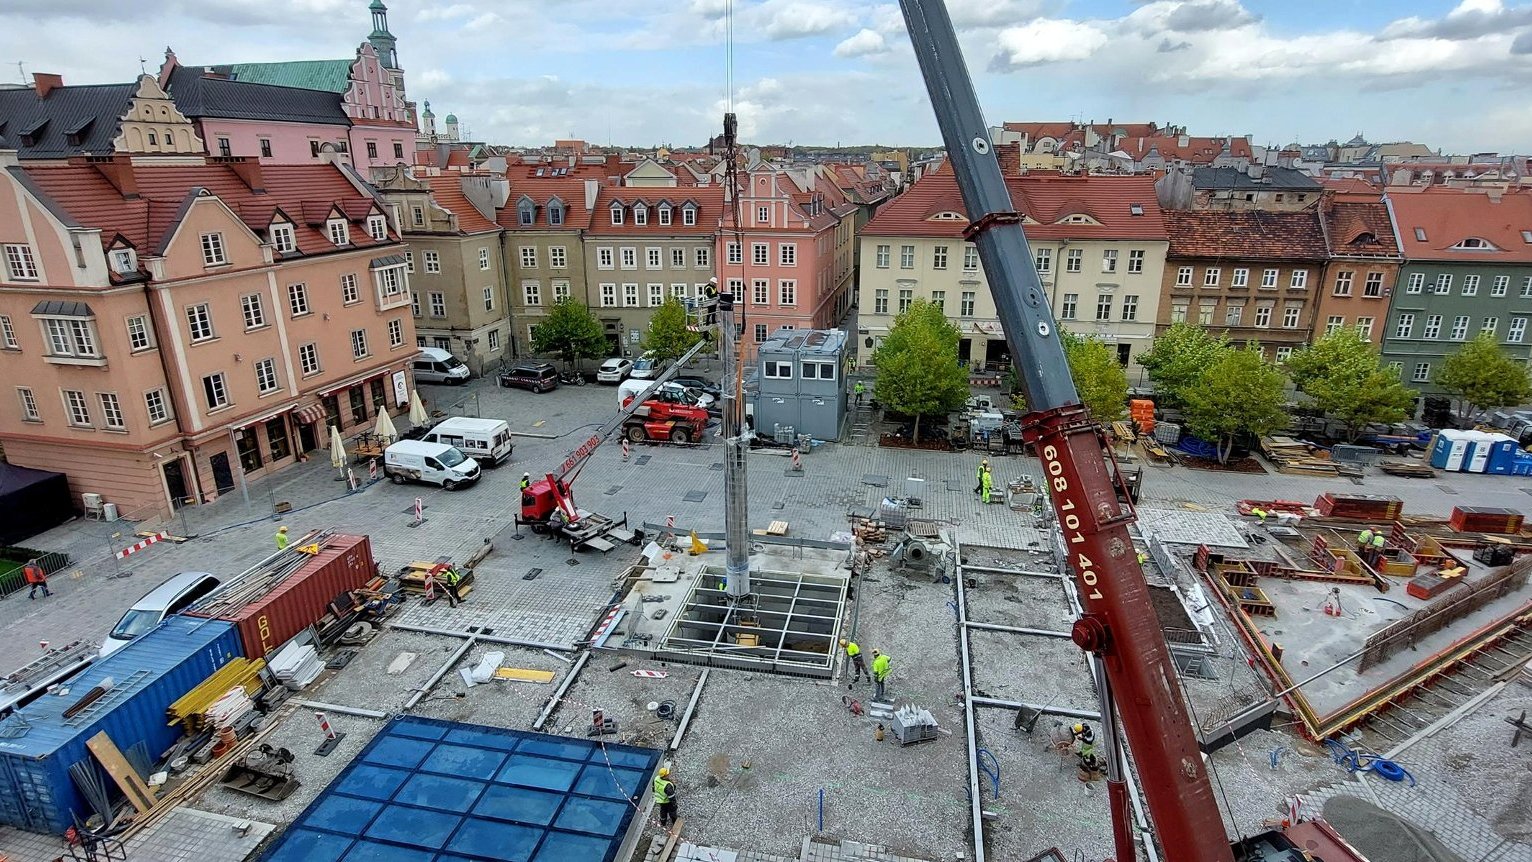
<point>310,414</point>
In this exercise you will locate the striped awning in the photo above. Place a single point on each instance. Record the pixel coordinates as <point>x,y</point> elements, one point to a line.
<point>310,414</point>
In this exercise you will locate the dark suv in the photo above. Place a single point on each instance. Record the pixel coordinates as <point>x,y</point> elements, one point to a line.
<point>538,377</point>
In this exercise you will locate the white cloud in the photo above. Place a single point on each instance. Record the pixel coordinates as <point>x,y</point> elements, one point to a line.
<point>1048,40</point>
<point>791,19</point>
<point>863,43</point>
<point>443,13</point>
<point>967,14</point>
<point>430,79</point>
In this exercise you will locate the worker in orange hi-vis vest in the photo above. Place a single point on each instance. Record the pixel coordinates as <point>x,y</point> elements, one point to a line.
<point>35,577</point>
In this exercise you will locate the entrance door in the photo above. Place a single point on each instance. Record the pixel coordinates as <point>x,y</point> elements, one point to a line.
<point>965,348</point>
<point>306,441</point>
<point>175,482</point>
<point>223,477</point>
<point>1123,352</point>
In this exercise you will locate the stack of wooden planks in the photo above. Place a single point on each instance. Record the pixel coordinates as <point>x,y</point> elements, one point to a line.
<point>193,706</point>
<point>1407,469</point>
<point>1297,457</point>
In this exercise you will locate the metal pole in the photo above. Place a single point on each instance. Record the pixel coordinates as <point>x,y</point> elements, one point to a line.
<point>1116,786</point>
<point>735,483</point>
<point>686,717</point>
<point>440,672</point>
<point>244,489</point>
<point>975,793</point>
<point>558,696</point>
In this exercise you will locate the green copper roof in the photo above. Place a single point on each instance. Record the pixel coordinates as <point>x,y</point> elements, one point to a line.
<point>378,5</point>
<point>331,76</point>
<point>452,118</point>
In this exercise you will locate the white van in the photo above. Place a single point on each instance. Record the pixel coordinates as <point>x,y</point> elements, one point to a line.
<point>486,440</point>
<point>667,391</point>
<point>435,365</point>
<point>432,463</point>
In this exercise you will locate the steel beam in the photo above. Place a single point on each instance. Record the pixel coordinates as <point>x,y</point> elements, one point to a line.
<point>1045,709</point>
<point>975,792</point>
<point>686,717</point>
<point>558,695</point>
<point>1016,630</point>
<point>442,671</point>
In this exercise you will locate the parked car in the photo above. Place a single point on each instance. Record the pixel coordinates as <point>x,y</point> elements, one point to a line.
<point>647,368</point>
<point>707,385</point>
<point>614,370</point>
<point>167,599</point>
<point>536,376</point>
<point>435,365</point>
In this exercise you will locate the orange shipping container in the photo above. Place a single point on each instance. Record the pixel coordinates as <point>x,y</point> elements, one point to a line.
<point>343,563</point>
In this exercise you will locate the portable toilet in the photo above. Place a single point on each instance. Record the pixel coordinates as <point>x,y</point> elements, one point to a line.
<point>1449,450</point>
<point>1476,457</point>
<point>1502,454</point>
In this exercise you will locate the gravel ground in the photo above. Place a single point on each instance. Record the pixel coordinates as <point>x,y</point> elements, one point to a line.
<point>365,683</point>
<point>1019,600</point>
<point>1033,669</point>
<point>1038,560</point>
<point>625,698</point>
<point>1250,791</point>
<point>500,703</point>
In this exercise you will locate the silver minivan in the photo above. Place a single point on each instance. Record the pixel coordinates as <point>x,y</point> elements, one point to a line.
<point>167,599</point>
<point>435,365</point>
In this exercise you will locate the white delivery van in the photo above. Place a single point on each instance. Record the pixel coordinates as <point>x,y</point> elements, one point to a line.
<point>486,440</point>
<point>434,365</point>
<point>432,463</point>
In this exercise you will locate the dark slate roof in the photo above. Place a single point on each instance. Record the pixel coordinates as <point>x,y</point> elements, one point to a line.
<point>387,261</point>
<point>68,122</point>
<point>1237,179</point>
<point>61,308</point>
<point>199,96</point>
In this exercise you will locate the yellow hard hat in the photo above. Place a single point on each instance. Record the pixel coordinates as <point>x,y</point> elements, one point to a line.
<point>282,529</point>
<point>842,641</point>
<point>1079,728</point>
<point>664,772</point>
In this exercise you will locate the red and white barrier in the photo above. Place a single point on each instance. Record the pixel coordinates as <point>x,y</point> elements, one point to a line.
<point>625,449</point>
<point>139,546</point>
<point>324,725</point>
<point>372,469</point>
<point>797,462</point>
<point>419,507</point>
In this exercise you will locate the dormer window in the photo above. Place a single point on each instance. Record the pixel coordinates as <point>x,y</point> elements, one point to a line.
<point>339,231</point>
<point>689,215</point>
<point>526,212</point>
<point>282,238</point>
<point>616,213</point>
<point>1077,219</point>
<point>124,261</point>
<point>640,215</point>
<point>1473,243</point>
<point>665,214</point>
<point>947,216</point>
<point>555,213</point>
<point>377,227</point>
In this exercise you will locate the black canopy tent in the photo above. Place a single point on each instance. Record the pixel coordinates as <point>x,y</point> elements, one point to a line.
<point>33,501</point>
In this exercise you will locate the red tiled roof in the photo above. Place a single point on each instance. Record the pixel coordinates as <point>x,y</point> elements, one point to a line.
<point>709,200</point>
<point>1197,151</point>
<point>1253,235</point>
<point>1043,197</point>
<point>1447,216</point>
<point>1033,131</point>
<point>85,194</point>
<point>448,193</point>
<point>569,191</point>
<point>1360,228</point>
<point>1351,186</point>
<point>457,159</point>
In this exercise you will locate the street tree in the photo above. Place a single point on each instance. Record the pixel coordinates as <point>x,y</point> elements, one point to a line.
<point>1100,379</point>
<point>917,365</point>
<point>1178,358</point>
<point>1481,376</point>
<point>667,337</point>
<point>1344,374</point>
<point>1238,393</point>
<point>570,331</point>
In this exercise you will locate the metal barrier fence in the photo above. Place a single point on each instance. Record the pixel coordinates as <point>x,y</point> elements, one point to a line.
<point>1406,632</point>
<point>12,559</point>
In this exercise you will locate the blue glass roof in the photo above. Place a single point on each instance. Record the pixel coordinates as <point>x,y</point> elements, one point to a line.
<point>426,790</point>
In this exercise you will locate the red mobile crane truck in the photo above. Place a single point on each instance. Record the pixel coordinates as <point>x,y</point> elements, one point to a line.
<point>1088,494</point>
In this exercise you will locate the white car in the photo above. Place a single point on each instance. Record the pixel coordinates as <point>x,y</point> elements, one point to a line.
<point>167,599</point>
<point>614,370</point>
<point>647,368</point>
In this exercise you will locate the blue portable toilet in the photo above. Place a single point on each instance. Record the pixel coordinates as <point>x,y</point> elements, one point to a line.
<point>1450,449</point>
<point>1502,454</point>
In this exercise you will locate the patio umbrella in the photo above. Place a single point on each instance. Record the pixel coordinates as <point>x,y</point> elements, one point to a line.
<point>385,427</point>
<point>337,451</point>
<point>418,414</point>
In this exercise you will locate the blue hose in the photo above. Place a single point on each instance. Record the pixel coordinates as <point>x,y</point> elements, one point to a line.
<point>1360,760</point>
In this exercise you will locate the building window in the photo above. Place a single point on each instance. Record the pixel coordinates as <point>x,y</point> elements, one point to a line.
<point>1490,325</point>
<point>438,304</point>
<point>8,333</point>
<point>28,405</point>
<point>787,254</point>
<point>359,343</point>
<point>348,292</point>
<point>939,299</point>
<point>1433,327</point>
<point>1364,327</point>
<point>1109,260</point>
<point>604,258</point>
<point>340,232</point>
<point>1070,308</point>
<point>377,227</point>
<point>557,258</point>
<point>1269,279</point>
<point>1443,283</point>
<point>1135,260</point>
<point>138,333</point>
<point>939,257</point>
<point>760,254</point>
<point>906,299</point>
<point>1501,284</point>
<point>630,258</point>
<point>255,315</point>
<point>433,262</point>
<point>409,261</point>
<point>396,333</point>
<point>418,216</point>
<point>1334,324</point>
<point>760,332</point>
<point>1263,316</point>
<point>703,257</point>
<point>1241,277</point>
<point>213,253</point>
<point>777,370</point>
<point>1184,276</point>
<point>1299,279</point>
<point>733,253</point>
<point>883,256</point>
<point>630,294</point>
<point>616,213</point>
<point>1374,286</point>
<point>1130,307</point>
<point>358,400</point>
<point>158,407</point>
<point>1526,288</point>
<point>906,257</point>
<point>880,301</point>
<point>1232,314</point>
<point>223,147</point>
<point>391,283</point>
<point>1043,259</point>
<point>200,322</point>
<point>1104,307</point>
<point>817,370</point>
<point>1285,352</point>
<point>608,295</point>
<point>282,239</point>
<point>1459,328</point>
<point>787,293</point>
<point>1211,276</point>
<point>265,148</point>
<point>313,148</point>
<point>494,339</point>
<point>276,438</point>
<point>529,257</point>
<point>1205,313</point>
<point>266,376</point>
<point>215,392</point>
<point>689,215</point>
<point>1178,312</point>
<point>965,304</point>
<point>560,289</point>
<point>652,258</point>
<point>76,408</point>
<point>398,150</point>
<point>664,214</point>
<point>1343,283</point>
<point>1417,282</point>
<point>555,213</point>
<point>1517,331</point>
<point>763,214</point>
<point>1290,316</point>
<point>372,149</point>
<point>678,258</point>
<point>1074,260</point>
<point>298,299</point>
<point>1422,372</point>
<point>1404,326</point>
<point>1471,285</point>
<point>489,298</point>
<point>970,258</point>
<point>656,295</point>
<point>680,290</point>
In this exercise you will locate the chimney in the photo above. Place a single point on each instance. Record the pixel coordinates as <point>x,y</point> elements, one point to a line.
<point>46,83</point>
<point>247,169</point>
<point>118,170</point>
<point>1256,171</point>
<point>1183,140</point>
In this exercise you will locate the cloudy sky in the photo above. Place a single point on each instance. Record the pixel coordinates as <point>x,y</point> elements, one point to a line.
<point>1450,74</point>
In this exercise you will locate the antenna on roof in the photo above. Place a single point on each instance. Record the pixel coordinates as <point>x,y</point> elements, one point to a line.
<point>142,66</point>
<point>21,69</point>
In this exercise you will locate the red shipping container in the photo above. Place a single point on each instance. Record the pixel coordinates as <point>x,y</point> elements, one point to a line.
<point>343,563</point>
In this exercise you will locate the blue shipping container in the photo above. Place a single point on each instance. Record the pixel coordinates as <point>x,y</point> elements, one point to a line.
<point>38,744</point>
